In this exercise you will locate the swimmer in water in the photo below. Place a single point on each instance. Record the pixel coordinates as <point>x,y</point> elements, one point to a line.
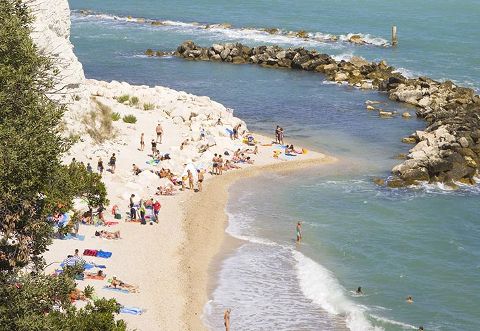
<point>299,231</point>
<point>409,299</point>
<point>359,290</point>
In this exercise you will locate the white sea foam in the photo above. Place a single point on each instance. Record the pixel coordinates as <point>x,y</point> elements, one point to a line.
<point>239,225</point>
<point>367,38</point>
<point>344,57</point>
<point>319,285</point>
<point>389,321</point>
<point>255,34</point>
<point>406,73</point>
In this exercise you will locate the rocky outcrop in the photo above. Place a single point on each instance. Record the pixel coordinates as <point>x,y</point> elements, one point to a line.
<point>447,150</point>
<point>51,34</point>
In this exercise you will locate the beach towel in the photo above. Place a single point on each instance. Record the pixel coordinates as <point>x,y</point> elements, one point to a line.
<point>104,254</point>
<point>73,237</point>
<point>89,266</point>
<point>110,223</point>
<point>288,154</point>
<point>116,289</point>
<point>90,252</point>
<point>132,310</point>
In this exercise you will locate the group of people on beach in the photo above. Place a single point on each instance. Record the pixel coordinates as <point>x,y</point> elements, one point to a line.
<point>143,209</point>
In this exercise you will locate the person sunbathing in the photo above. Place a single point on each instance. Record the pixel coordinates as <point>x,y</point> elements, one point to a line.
<point>108,234</point>
<point>117,283</point>
<point>99,275</point>
<point>230,165</point>
<point>167,190</point>
<point>184,143</point>
<point>251,151</point>
<point>249,160</point>
<point>136,170</point>
<point>76,294</point>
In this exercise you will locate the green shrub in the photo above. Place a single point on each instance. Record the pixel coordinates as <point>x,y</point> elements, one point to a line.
<point>116,116</point>
<point>148,106</point>
<point>134,101</point>
<point>130,119</point>
<point>123,98</point>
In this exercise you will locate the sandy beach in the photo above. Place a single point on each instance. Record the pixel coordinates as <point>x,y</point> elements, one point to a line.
<point>204,227</point>
<point>168,261</point>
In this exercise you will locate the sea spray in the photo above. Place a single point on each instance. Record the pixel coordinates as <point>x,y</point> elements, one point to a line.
<point>320,285</point>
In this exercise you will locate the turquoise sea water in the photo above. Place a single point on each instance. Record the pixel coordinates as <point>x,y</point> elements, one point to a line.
<point>422,242</point>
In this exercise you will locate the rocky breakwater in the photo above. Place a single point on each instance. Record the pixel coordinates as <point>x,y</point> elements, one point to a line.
<point>448,150</point>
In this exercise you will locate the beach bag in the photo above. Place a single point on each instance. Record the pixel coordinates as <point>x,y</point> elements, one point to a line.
<point>118,216</point>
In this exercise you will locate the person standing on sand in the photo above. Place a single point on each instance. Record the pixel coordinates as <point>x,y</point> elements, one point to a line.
<point>89,168</point>
<point>299,231</point>
<point>215,164</point>
<point>226,318</point>
<point>277,134</point>
<point>142,212</point>
<point>112,163</point>
<point>156,209</point>
<point>220,165</point>
<point>190,179</point>
<point>133,213</point>
<point>200,180</point>
<point>142,141</point>
<point>281,133</point>
<point>159,131</point>
<point>154,147</point>
<point>100,166</point>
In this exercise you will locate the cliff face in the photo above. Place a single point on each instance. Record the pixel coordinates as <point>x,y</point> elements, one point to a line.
<point>51,33</point>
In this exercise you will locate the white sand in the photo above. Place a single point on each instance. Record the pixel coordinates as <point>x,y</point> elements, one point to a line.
<point>169,261</point>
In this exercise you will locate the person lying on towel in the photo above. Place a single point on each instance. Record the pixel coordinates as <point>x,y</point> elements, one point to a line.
<point>108,234</point>
<point>117,283</point>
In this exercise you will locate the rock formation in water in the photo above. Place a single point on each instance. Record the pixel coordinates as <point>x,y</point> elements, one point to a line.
<point>449,148</point>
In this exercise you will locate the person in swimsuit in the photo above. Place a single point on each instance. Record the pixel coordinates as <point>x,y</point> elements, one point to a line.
<point>112,163</point>
<point>220,165</point>
<point>154,147</point>
<point>359,290</point>
<point>280,136</point>
<point>277,134</point>
<point>215,164</point>
<point>159,131</point>
<point>100,167</point>
<point>89,168</point>
<point>200,180</point>
<point>409,299</point>
<point>299,231</point>
<point>226,318</point>
<point>190,179</point>
<point>142,141</point>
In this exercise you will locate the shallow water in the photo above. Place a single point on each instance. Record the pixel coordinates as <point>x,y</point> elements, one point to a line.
<point>422,242</point>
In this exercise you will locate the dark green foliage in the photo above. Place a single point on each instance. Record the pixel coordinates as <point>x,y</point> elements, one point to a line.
<point>130,119</point>
<point>33,185</point>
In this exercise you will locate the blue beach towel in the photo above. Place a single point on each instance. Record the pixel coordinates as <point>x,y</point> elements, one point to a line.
<point>116,289</point>
<point>229,131</point>
<point>68,236</point>
<point>104,254</point>
<point>131,310</point>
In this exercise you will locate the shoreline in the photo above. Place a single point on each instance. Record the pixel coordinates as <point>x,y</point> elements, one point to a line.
<point>205,243</point>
